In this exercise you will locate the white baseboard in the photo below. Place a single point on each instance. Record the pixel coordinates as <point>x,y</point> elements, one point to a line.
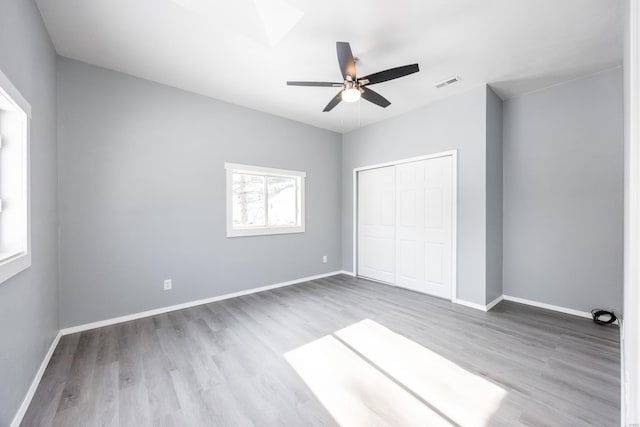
<point>557,308</point>
<point>17,419</point>
<point>494,302</point>
<point>470,304</point>
<point>479,306</point>
<point>548,306</point>
<point>140,315</point>
<point>532,303</point>
<point>348,273</point>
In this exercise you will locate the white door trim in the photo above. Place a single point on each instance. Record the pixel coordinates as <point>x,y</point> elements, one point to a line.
<point>454,210</point>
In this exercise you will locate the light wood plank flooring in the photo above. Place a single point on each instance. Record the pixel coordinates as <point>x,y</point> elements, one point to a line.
<point>223,364</point>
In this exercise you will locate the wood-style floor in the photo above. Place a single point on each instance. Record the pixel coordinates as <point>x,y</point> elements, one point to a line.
<point>226,363</point>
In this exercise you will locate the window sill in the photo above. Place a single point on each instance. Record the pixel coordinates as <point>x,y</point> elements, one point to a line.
<point>12,264</point>
<point>242,232</point>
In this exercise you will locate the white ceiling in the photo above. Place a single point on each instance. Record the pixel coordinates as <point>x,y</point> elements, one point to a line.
<point>243,51</point>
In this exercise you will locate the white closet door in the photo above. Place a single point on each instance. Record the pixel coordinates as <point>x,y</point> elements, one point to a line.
<point>376,224</point>
<point>424,226</point>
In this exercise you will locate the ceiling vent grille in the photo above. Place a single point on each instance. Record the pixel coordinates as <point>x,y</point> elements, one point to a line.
<point>447,82</point>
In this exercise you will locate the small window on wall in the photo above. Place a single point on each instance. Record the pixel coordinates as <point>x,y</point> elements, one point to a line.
<point>15,112</point>
<point>264,200</point>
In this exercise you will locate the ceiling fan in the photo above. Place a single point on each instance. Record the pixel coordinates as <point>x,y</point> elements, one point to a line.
<point>352,87</point>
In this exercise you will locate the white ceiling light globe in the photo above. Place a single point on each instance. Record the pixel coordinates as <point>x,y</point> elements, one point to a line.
<point>350,95</point>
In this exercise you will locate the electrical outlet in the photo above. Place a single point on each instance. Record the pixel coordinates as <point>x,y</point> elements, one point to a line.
<point>167,285</point>
<point>324,259</point>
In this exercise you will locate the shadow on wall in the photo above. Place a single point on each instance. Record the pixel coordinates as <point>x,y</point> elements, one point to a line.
<point>366,375</point>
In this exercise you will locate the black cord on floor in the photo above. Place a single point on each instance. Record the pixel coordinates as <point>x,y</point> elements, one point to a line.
<point>609,317</point>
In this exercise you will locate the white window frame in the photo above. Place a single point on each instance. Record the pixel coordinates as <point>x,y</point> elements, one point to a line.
<point>263,171</point>
<point>12,263</point>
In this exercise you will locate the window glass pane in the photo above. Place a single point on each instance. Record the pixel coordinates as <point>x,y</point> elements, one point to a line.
<point>283,203</point>
<point>248,200</point>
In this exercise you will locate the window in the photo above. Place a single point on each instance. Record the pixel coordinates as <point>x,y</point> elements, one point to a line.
<point>15,112</point>
<point>264,200</point>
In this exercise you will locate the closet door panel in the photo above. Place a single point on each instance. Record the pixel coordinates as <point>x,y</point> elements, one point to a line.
<point>376,224</point>
<point>424,212</point>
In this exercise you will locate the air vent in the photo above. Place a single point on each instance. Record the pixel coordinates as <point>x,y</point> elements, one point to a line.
<point>447,82</point>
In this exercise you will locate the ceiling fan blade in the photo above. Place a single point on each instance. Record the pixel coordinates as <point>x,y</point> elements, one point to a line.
<point>375,97</point>
<point>346,61</point>
<point>335,101</point>
<point>390,74</point>
<point>318,84</point>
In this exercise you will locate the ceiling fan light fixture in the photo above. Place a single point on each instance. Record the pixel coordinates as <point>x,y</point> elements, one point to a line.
<point>350,95</point>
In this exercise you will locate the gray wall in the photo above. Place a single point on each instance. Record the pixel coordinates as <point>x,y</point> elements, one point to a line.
<point>29,301</point>
<point>494,196</point>
<point>563,194</point>
<point>142,195</point>
<point>454,123</point>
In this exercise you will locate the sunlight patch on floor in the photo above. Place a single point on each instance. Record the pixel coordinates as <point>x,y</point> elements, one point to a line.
<point>367,375</point>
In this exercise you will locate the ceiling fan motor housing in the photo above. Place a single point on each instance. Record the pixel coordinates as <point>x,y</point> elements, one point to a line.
<point>350,84</point>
